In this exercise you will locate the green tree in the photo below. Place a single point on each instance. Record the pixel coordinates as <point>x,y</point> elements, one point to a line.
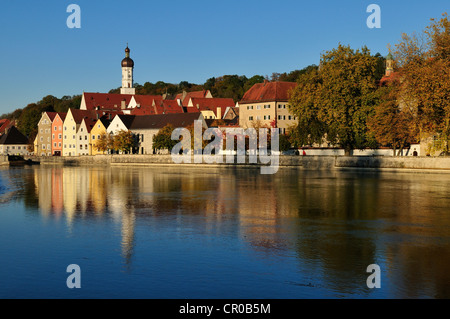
<point>390,125</point>
<point>104,143</point>
<point>163,140</point>
<point>124,141</point>
<point>342,96</point>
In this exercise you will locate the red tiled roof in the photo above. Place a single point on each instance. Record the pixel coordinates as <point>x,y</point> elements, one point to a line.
<point>385,80</point>
<point>105,100</point>
<point>90,123</point>
<point>61,115</point>
<point>3,125</point>
<point>143,110</point>
<point>189,95</point>
<point>79,115</point>
<point>51,115</point>
<point>147,100</point>
<point>268,92</point>
<point>171,106</point>
<point>204,104</point>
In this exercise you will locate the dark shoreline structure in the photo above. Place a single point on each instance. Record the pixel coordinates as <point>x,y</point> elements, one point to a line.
<point>419,164</point>
<point>15,160</point>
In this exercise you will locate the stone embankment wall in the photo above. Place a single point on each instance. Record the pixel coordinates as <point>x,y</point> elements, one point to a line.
<point>307,162</point>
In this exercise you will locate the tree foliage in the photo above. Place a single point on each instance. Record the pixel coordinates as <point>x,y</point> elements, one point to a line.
<point>336,100</point>
<point>424,61</point>
<point>163,140</point>
<point>124,141</point>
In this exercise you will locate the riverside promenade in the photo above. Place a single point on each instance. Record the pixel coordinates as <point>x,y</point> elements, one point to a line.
<point>301,162</point>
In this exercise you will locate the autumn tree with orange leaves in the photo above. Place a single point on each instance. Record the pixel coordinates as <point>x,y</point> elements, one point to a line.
<point>424,63</point>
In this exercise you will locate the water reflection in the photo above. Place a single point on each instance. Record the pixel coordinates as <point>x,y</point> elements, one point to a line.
<point>333,223</point>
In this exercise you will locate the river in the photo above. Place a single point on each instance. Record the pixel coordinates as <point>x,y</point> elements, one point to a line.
<point>166,233</point>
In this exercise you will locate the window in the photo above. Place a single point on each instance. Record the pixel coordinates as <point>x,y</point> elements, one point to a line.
<point>81,138</point>
<point>43,146</point>
<point>54,144</point>
<point>42,139</point>
<point>93,137</point>
<point>53,136</point>
<point>258,107</point>
<point>56,128</point>
<point>59,144</point>
<point>81,129</point>
<point>98,136</point>
<point>59,136</point>
<point>279,117</point>
<point>289,117</point>
<point>70,145</point>
<point>65,128</point>
<point>42,131</point>
<point>267,106</point>
<point>18,147</point>
<point>250,118</point>
<point>65,137</point>
<point>13,147</point>
<point>85,137</point>
<point>85,147</point>
<point>81,147</point>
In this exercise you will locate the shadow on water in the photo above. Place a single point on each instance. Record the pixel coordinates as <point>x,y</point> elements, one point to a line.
<point>333,223</point>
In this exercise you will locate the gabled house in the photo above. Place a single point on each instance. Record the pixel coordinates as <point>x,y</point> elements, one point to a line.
<point>57,134</point>
<point>84,144</point>
<point>99,128</point>
<point>120,122</point>
<point>71,126</point>
<point>43,141</point>
<point>13,142</point>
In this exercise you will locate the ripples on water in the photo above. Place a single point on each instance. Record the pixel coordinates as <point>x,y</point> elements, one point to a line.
<point>223,233</point>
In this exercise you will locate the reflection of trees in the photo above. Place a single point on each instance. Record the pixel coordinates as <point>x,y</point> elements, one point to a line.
<point>337,223</point>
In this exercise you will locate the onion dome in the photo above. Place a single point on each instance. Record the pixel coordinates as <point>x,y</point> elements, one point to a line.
<point>127,62</point>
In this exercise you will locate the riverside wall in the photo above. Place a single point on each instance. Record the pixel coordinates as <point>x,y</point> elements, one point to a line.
<point>305,162</point>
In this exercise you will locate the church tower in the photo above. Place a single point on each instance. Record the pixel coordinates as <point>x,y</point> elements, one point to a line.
<point>127,74</point>
<point>389,64</point>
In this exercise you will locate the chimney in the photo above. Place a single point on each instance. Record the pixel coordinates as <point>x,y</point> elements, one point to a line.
<point>179,102</point>
<point>123,105</point>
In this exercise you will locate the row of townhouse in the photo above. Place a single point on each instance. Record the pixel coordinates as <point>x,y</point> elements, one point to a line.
<point>77,132</point>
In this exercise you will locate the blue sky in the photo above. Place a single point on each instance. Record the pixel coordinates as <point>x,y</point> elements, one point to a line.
<point>176,41</point>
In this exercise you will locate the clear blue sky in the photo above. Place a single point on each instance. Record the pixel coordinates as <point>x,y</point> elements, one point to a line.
<point>176,41</point>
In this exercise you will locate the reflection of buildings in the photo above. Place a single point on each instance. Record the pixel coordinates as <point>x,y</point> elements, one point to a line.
<point>334,223</point>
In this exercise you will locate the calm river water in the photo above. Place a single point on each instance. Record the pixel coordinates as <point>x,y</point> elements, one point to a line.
<point>222,233</point>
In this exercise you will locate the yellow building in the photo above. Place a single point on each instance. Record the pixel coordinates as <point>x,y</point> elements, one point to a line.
<point>267,103</point>
<point>97,130</point>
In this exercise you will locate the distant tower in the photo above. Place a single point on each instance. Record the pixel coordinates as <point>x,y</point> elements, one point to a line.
<point>389,64</point>
<point>127,74</point>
